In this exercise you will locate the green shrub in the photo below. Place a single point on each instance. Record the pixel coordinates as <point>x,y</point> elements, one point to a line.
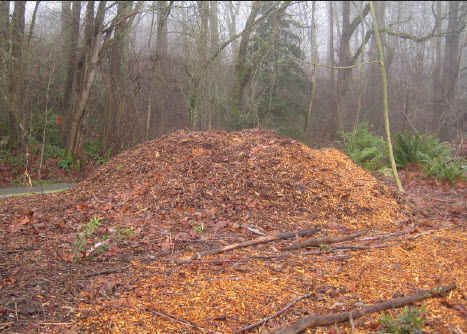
<point>418,149</point>
<point>408,322</point>
<point>84,245</point>
<point>64,163</point>
<point>364,148</point>
<point>428,152</point>
<point>439,169</point>
<point>93,150</point>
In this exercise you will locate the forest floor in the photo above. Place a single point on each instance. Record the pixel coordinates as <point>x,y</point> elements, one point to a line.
<point>13,177</point>
<point>356,243</point>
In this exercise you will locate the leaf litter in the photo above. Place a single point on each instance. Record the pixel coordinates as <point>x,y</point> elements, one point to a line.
<point>189,192</point>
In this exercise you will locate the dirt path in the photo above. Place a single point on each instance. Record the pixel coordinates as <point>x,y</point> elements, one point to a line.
<point>5,192</point>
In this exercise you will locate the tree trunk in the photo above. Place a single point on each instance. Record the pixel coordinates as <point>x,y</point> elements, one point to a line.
<point>436,100</point>
<point>243,71</point>
<point>332,62</point>
<point>344,73</point>
<point>314,51</point>
<point>232,25</point>
<point>116,94</point>
<point>199,94</point>
<point>16,76</point>
<point>4,50</point>
<point>72,54</point>
<point>158,68</point>
<point>240,70</point>
<point>214,68</point>
<point>450,68</point>
<point>385,101</point>
<point>86,68</point>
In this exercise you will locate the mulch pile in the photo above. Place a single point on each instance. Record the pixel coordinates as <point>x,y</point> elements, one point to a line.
<point>251,177</point>
<point>192,191</point>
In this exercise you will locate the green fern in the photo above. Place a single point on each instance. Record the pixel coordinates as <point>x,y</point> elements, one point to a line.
<point>418,149</point>
<point>364,148</point>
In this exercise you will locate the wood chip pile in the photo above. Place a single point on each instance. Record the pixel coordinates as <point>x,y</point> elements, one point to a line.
<point>252,177</point>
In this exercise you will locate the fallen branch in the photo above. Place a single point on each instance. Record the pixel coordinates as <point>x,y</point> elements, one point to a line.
<point>180,321</point>
<point>107,271</point>
<point>327,240</point>
<point>259,323</point>
<point>315,321</point>
<point>6,309</point>
<point>256,241</point>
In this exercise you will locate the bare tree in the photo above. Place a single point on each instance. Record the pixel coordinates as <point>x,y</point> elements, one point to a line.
<point>451,64</point>
<point>96,43</point>
<point>117,82</point>
<point>71,52</point>
<point>4,50</point>
<point>158,65</point>
<point>16,78</point>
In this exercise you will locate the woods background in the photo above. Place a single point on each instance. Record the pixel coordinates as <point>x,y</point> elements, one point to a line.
<point>119,73</point>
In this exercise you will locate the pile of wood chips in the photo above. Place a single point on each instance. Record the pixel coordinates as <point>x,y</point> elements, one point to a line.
<point>251,177</point>
<point>190,192</point>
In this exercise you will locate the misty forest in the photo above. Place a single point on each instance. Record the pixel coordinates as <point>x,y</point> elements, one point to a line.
<point>120,73</point>
<point>233,166</point>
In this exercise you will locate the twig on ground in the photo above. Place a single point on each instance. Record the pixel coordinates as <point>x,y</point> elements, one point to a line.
<point>107,271</point>
<point>327,240</point>
<point>179,320</point>
<point>252,230</point>
<point>256,241</point>
<point>6,309</point>
<point>315,321</point>
<point>256,324</point>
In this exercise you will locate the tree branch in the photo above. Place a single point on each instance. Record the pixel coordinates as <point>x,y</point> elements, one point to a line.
<point>313,321</point>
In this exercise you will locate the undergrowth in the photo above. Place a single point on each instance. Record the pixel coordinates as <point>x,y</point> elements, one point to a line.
<point>370,152</point>
<point>426,150</point>
<point>364,148</point>
<point>410,321</point>
<point>85,247</point>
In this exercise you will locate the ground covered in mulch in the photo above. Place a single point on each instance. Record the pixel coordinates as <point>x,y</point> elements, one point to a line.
<point>190,192</point>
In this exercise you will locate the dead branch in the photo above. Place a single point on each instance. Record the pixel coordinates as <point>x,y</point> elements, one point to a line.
<point>327,240</point>
<point>107,271</point>
<point>256,241</point>
<point>6,309</point>
<point>315,321</point>
<point>179,320</point>
<point>259,323</point>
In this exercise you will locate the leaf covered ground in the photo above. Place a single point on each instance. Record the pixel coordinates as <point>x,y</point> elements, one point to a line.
<point>194,191</point>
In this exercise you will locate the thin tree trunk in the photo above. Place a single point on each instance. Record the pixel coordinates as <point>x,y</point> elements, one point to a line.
<point>332,62</point>
<point>385,101</point>
<point>70,70</point>
<point>16,82</point>
<point>116,94</point>
<point>232,25</point>
<point>158,64</point>
<point>87,64</point>
<point>4,51</point>
<point>450,68</point>
<point>314,51</point>
<point>437,76</point>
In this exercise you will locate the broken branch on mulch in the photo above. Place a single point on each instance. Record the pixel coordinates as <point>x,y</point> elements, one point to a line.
<point>256,324</point>
<point>313,321</point>
<point>179,320</point>
<point>256,241</point>
<point>326,240</point>
<point>107,271</point>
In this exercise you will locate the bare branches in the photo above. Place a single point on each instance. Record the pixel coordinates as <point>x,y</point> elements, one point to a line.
<point>315,321</point>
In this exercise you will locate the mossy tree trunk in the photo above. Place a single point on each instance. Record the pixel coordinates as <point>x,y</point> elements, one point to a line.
<point>385,101</point>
